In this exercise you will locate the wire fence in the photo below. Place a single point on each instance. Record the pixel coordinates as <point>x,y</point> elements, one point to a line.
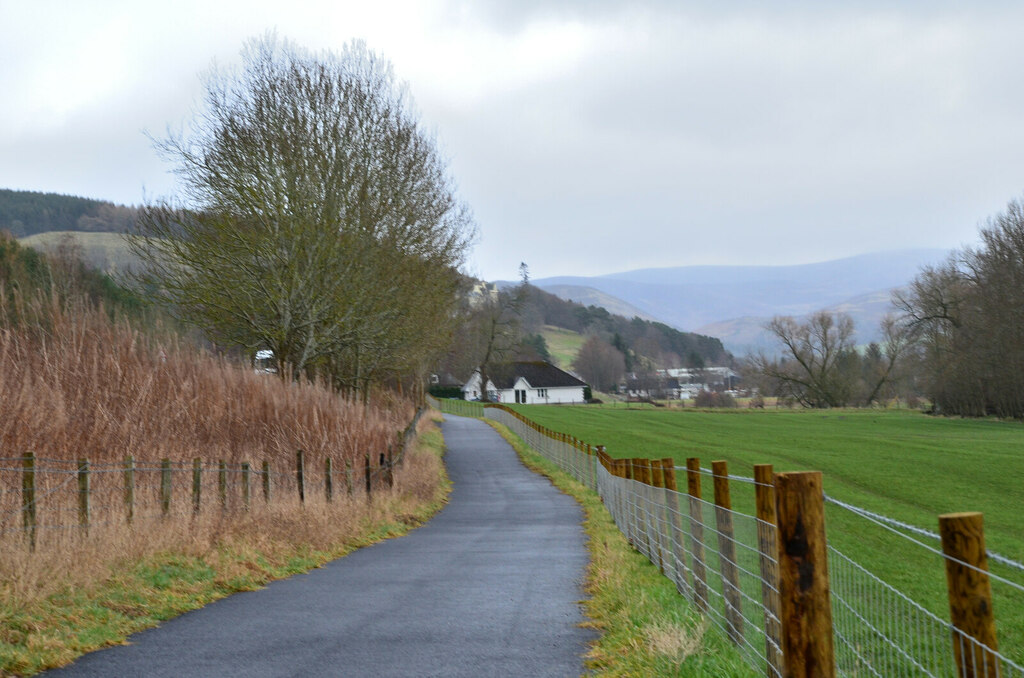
<point>731,566</point>
<point>49,502</point>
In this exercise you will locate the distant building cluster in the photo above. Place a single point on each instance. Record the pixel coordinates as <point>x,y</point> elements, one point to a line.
<point>680,383</point>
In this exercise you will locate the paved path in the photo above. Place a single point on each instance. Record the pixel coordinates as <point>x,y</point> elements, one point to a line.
<point>489,587</point>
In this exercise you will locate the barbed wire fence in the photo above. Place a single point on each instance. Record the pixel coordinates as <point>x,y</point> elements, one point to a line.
<point>53,502</point>
<point>729,565</point>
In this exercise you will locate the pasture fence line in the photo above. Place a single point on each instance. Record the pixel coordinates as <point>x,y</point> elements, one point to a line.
<point>791,602</point>
<point>46,501</point>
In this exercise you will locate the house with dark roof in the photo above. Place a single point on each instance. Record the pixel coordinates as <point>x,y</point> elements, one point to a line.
<point>526,382</point>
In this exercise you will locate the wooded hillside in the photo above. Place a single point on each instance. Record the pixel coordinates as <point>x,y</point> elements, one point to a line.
<point>663,345</point>
<point>26,213</point>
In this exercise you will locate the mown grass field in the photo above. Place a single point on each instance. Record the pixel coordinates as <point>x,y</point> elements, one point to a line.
<point>902,464</point>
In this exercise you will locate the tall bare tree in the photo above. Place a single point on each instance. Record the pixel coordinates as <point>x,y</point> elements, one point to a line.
<point>967,316</point>
<point>496,328</point>
<point>316,217</point>
<point>600,364</point>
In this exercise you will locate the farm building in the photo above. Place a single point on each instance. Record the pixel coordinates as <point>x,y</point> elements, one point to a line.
<point>533,382</point>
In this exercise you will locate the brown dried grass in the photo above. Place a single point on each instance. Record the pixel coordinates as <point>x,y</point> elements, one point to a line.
<point>87,387</point>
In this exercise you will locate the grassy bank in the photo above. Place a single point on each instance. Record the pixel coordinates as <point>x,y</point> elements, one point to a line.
<point>902,464</point>
<point>55,606</point>
<point>647,629</point>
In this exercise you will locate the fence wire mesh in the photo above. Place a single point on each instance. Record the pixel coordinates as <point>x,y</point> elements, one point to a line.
<point>46,502</point>
<point>724,561</point>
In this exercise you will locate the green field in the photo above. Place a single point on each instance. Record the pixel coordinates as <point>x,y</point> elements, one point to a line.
<point>563,345</point>
<point>902,464</point>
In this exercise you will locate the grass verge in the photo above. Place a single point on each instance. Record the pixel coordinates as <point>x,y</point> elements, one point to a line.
<point>44,624</point>
<point>646,628</point>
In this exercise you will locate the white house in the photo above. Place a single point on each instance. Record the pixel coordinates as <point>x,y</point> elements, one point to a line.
<point>530,383</point>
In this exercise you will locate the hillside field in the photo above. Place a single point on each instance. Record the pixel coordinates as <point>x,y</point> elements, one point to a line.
<point>106,251</point>
<point>902,464</point>
<point>563,345</point>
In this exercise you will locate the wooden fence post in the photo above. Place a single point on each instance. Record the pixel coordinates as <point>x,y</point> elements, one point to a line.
<point>678,551</point>
<point>83,494</point>
<point>970,595</point>
<point>222,484</point>
<point>727,552</point>
<point>630,499</point>
<point>300,476</point>
<point>700,585</point>
<point>266,481</point>
<point>129,488</point>
<point>369,479</point>
<point>197,484</point>
<point>348,477</point>
<point>805,606</point>
<point>764,492</point>
<point>658,500</point>
<point>642,469</point>
<point>28,497</point>
<point>165,486</point>
<point>246,485</point>
<point>328,480</point>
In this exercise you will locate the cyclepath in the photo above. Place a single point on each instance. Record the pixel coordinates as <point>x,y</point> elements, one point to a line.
<point>489,587</point>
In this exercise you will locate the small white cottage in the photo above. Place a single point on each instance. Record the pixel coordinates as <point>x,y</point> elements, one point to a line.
<point>526,382</point>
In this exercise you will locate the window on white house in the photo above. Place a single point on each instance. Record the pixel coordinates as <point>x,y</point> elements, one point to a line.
<point>542,393</point>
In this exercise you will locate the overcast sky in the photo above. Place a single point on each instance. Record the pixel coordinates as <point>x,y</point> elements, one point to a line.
<point>587,137</point>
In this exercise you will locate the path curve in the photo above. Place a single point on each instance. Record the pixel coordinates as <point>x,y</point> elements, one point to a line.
<point>489,587</point>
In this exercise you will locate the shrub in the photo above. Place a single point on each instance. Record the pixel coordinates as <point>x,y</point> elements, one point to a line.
<point>714,399</point>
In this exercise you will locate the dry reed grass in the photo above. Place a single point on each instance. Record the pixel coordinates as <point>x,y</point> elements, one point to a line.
<point>87,387</point>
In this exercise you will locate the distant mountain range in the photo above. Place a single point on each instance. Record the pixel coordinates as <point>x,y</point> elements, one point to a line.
<point>733,302</point>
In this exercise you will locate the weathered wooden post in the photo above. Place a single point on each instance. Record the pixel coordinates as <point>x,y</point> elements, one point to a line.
<point>727,552</point>
<point>246,485</point>
<point>348,477</point>
<point>369,479</point>
<point>83,494</point>
<point>700,585</point>
<point>657,495</point>
<point>165,486</point>
<point>222,484</point>
<point>678,554</point>
<point>642,474</point>
<point>804,602</point>
<point>970,595</point>
<point>328,480</point>
<point>266,481</point>
<point>129,489</point>
<point>629,496</point>
<point>28,497</point>
<point>764,495</point>
<point>300,476</point>
<point>197,484</point>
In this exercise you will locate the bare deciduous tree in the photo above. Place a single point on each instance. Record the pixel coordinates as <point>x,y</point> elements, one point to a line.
<point>600,364</point>
<point>967,318</point>
<point>316,218</point>
<point>812,368</point>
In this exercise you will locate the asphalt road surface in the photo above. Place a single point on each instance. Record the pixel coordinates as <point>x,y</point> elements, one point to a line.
<point>489,587</point>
